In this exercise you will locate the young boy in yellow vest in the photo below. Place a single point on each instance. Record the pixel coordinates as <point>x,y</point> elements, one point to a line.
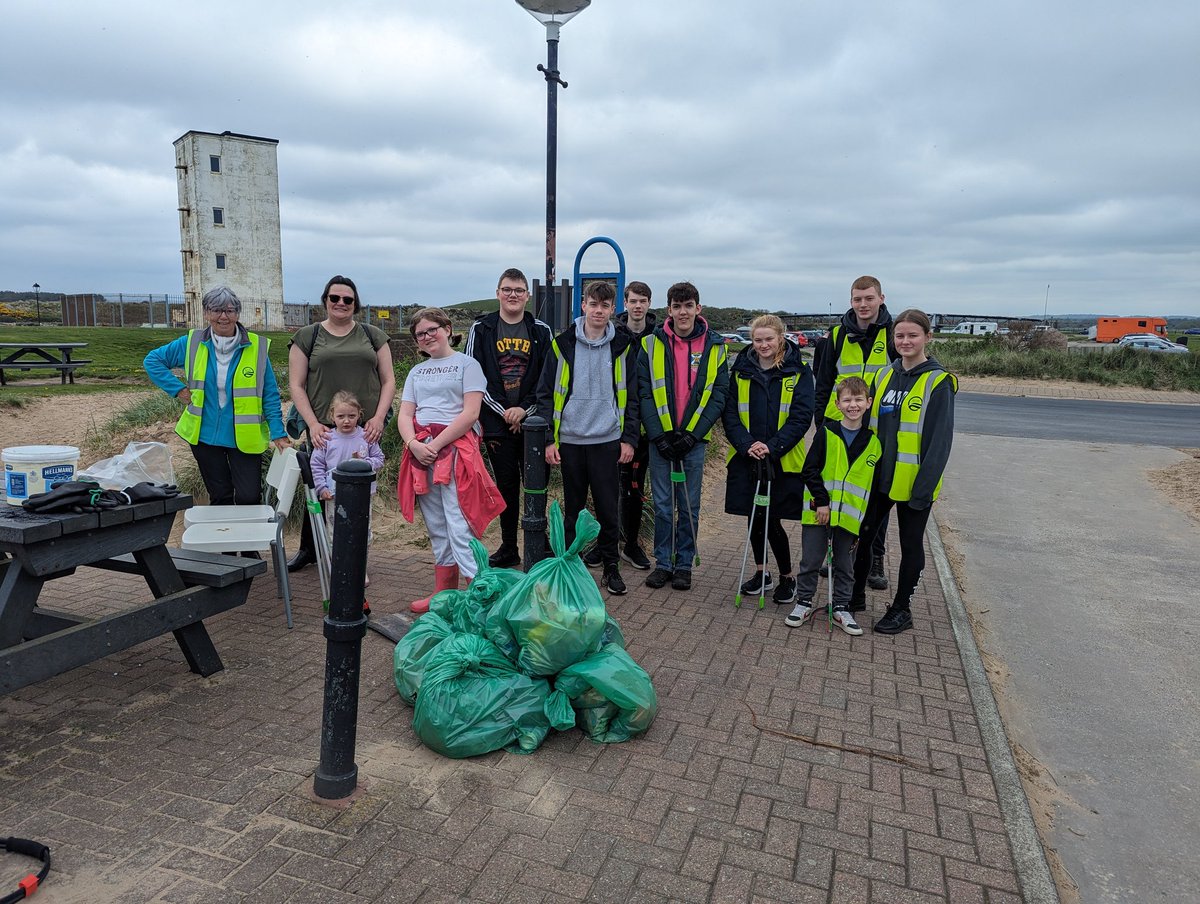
<point>838,472</point>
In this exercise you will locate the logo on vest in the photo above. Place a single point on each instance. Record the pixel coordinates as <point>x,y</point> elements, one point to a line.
<point>871,460</point>
<point>913,403</point>
<point>248,371</point>
<point>789,385</point>
<point>879,347</point>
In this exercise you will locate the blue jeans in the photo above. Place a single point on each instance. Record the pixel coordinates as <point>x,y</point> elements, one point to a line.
<point>670,519</point>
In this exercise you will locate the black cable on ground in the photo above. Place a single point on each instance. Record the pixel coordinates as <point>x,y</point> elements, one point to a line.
<point>27,886</point>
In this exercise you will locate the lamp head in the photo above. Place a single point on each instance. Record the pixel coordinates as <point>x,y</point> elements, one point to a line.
<point>554,12</point>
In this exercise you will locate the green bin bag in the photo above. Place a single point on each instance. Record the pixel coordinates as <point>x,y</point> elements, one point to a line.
<point>413,651</point>
<point>464,610</point>
<point>613,696</point>
<point>554,616</point>
<point>473,701</point>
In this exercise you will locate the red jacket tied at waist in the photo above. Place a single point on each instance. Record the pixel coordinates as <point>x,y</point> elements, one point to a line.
<point>462,460</point>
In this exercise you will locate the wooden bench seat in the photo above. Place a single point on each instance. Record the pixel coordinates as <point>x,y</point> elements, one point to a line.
<point>198,569</point>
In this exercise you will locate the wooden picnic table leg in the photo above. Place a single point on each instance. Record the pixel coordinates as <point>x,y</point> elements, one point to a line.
<point>19,591</point>
<point>163,578</point>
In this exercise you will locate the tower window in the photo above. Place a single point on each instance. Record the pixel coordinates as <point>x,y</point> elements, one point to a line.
<point>218,216</point>
<point>214,163</point>
<point>220,262</point>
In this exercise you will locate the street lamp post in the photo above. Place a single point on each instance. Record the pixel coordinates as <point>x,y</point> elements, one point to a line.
<point>37,302</point>
<point>1046,309</point>
<point>553,14</point>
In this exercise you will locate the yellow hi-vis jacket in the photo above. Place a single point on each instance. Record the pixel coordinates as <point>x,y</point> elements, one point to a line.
<point>912,422</point>
<point>250,430</point>
<point>847,482</point>
<point>792,460</point>
<point>656,353</point>
<point>851,363</point>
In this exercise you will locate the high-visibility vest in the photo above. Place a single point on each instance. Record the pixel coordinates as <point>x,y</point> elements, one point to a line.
<point>792,460</point>
<point>850,363</point>
<point>250,430</point>
<point>847,482</point>
<point>912,422</point>
<point>562,384</point>
<point>656,352</point>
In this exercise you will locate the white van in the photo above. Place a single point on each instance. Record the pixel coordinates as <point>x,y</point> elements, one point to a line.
<point>975,328</point>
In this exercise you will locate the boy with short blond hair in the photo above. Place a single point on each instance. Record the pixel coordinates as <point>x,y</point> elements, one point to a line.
<point>838,473</point>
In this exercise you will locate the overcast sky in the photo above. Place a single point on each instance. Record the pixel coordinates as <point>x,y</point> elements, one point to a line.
<point>966,154</point>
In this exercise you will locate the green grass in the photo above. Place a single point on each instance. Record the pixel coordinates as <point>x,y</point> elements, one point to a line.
<point>116,354</point>
<point>1104,367</point>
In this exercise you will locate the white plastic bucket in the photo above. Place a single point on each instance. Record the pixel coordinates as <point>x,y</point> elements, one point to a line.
<point>32,469</point>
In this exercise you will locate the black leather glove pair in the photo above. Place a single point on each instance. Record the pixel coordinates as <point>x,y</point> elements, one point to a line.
<point>149,492</point>
<point>67,496</point>
<point>675,444</point>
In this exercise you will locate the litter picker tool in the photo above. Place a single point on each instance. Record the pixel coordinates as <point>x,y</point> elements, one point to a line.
<point>679,476</point>
<point>315,512</point>
<point>759,499</point>
<point>829,577</point>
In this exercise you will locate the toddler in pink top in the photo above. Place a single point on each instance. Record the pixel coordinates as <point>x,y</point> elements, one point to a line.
<point>345,442</point>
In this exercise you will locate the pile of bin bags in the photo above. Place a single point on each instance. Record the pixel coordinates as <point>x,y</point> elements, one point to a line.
<point>501,663</point>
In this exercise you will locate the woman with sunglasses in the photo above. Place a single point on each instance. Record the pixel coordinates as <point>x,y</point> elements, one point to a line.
<point>443,465</point>
<point>338,354</point>
<point>228,427</point>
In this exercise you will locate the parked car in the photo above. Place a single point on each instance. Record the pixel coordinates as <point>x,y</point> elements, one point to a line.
<point>1155,344</point>
<point>798,338</point>
<point>1130,337</point>
<point>814,336</point>
<point>732,338</point>
<point>1192,332</point>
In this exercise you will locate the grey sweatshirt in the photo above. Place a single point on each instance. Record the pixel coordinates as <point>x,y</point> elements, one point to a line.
<point>590,415</point>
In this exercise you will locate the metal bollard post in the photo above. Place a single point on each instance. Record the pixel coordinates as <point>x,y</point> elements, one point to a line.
<point>533,521</point>
<point>345,625</point>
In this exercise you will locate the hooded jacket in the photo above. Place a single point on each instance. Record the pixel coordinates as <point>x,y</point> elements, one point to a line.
<point>825,358</point>
<point>481,345</point>
<point>702,341</point>
<point>766,390</point>
<point>937,435</point>
<point>620,343</point>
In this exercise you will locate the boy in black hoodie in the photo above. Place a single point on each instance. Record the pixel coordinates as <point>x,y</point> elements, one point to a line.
<point>838,474</point>
<point>861,345</point>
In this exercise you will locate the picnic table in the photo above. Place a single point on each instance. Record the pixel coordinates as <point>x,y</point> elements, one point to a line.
<point>38,642</point>
<point>41,356</point>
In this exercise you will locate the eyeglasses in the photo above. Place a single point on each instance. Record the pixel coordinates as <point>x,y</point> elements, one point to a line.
<point>224,312</point>
<point>426,334</point>
<point>507,291</point>
<point>340,299</point>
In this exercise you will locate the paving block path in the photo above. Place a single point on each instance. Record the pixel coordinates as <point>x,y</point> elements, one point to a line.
<point>153,784</point>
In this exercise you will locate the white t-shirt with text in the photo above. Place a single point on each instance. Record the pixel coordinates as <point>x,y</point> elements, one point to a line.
<point>437,386</point>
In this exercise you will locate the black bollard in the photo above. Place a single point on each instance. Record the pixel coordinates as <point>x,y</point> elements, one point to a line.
<point>533,521</point>
<point>345,625</point>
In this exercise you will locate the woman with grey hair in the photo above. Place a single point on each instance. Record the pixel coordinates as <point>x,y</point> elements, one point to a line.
<point>231,398</point>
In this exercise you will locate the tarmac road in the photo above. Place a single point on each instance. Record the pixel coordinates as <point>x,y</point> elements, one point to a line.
<point>1082,580</point>
<point>1077,419</point>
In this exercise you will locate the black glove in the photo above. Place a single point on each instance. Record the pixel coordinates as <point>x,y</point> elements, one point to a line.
<point>665,444</point>
<point>684,443</point>
<point>150,492</point>
<point>764,469</point>
<point>63,497</point>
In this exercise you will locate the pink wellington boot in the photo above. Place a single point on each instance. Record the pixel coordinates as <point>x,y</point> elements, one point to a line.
<point>445,577</point>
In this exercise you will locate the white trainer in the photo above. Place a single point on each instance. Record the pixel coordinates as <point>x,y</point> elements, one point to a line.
<point>846,622</point>
<point>799,615</point>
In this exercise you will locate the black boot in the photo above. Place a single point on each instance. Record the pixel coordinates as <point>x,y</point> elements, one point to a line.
<point>876,577</point>
<point>507,556</point>
<point>306,555</point>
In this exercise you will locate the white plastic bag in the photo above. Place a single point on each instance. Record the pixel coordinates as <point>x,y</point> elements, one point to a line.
<point>138,463</point>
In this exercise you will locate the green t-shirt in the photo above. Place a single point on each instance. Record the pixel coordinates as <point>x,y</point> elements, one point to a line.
<point>347,363</point>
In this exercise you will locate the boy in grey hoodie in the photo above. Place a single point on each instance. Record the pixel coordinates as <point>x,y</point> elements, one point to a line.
<point>586,386</point>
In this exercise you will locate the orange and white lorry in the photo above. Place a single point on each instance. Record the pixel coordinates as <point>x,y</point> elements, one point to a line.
<point>1110,329</point>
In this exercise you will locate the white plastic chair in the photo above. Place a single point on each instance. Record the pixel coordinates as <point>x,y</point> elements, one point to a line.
<point>236,536</point>
<point>225,514</point>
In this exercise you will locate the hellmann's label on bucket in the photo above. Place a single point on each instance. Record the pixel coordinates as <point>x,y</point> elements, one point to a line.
<point>29,470</point>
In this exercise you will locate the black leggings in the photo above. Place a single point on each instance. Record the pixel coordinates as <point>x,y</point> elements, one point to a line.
<point>776,536</point>
<point>231,476</point>
<point>910,523</point>
<point>507,455</point>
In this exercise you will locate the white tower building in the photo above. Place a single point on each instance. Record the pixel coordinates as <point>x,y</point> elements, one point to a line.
<point>229,223</point>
